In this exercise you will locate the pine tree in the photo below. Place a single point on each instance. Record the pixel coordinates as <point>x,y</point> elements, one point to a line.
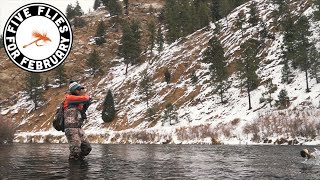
<point>271,88</point>
<point>70,11</point>
<point>314,59</point>
<point>215,10</point>
<point>290,44</point>
<point>126,3</point>
<point>129,47</point>
<point>136,49</point>
<point>170,114</point>
<point>77,10</point>
<point>96,4</point>
<point>160,39</point>
<point>152,34</point>
<point>214,55</point>
<point>101,29</point>
<point>145,86</point>
<point>167,75</point>
<point>248,66</point>
<point>151,112</point>
<point>93,61</point>
<point>287,75</point>
<point>204,15</point>
<point>254,19</point>
<point>301,46</point>
<point>185,26</point>
<point>46,84</point>
<point>73,11</point>
<point>282,6</point>
<point>217,28</point>
<point>237,3</point>
<point>100,32</point>
<point>114,8</point>
<point>34,89</point>
<point>108,111</point>
<point>125,50</point>
<point>317,12</point>
<point>105,2</point>
<point>225,8</point>
<point>1,40</point>
<point>60,74</point>
<point>283,98</point>
<point>194,22</point>
<point>194,78</point>
<point>240,21</point>
<point>263,33</point>
<point>289,34</point>
<point>288,48</point>
<point>172,20</point>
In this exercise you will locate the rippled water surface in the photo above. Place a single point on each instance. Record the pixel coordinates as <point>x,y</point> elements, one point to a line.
<point>50,161</point>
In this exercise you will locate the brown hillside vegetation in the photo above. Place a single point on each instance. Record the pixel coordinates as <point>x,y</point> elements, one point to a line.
<point>12,77</point>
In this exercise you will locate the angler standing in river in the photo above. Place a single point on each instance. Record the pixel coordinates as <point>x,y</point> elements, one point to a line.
<point>75,105</point>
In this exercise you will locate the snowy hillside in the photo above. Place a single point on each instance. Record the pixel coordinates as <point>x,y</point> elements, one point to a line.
<point>201,116</point>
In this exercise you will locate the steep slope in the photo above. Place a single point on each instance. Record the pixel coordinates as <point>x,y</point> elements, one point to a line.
<point>202,119</point>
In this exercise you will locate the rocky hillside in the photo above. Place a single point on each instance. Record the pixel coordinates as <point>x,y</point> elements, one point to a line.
<point>201,116</point>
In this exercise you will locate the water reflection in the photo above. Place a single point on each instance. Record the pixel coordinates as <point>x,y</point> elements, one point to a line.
<point>50,161</point>
<point>78,168</point>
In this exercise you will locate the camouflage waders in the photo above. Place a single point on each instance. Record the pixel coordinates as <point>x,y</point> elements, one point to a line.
<point>78,144</point>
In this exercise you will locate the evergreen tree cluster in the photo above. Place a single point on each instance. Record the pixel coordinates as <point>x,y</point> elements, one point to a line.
<point>214,55</point>
<point>170,114</point>
<point>221,8</point>
<point>1,40</point>
<point>100,32</point>
<point>145,86</point>
<point>317,12</point>
<point>114,7</point>
<point>297,51</point>
<point>108,111</point>
<point>34,88</point>
<point>167,76</point>
<point>73,11</point>
<point>282,7</point>
<point>283,99</point>
<point>183,17</point>
<point>160,39</point>
<point>152,34</point>
<point>93,61</point>
<point>96,4</point>
<point>248,65</point>
<point>60,74</point>
<point>129,47</point>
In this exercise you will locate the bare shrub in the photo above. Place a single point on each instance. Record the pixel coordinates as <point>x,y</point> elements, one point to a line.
<point>197,132</point>
<point>291,123</point>
<point>7,130</point>
<point>254,130</point>
<point>224,129</point>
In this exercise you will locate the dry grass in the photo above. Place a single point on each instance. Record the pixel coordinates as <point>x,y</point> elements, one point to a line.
<point>197,133</point>
<point>287,123</point>
<point>137,137</point>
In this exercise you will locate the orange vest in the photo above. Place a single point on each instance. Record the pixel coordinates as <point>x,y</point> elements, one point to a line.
<point>75,101</point>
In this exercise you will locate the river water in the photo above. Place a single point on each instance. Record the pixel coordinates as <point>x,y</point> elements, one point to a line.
<point>50,161</point>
